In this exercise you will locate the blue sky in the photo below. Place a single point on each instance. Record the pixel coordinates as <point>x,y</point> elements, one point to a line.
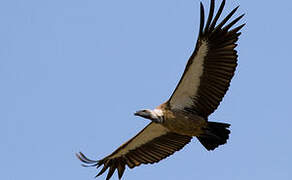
<point>73,72</point>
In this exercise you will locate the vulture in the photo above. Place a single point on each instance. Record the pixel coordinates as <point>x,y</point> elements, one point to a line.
<point>184,115</point>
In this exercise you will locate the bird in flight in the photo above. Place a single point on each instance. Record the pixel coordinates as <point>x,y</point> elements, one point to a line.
<point>199,92</point>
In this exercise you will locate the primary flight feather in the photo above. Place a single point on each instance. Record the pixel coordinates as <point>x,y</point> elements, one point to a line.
<point>199,92</point>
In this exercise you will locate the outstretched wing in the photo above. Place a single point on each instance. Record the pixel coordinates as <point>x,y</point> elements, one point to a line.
<point>150,145</point>
<point>211,67</point>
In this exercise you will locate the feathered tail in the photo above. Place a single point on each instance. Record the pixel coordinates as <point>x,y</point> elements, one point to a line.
<point>215,134</point>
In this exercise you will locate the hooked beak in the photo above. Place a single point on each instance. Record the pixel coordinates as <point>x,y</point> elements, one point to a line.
<point>142,113</point>
<point>137,113</point>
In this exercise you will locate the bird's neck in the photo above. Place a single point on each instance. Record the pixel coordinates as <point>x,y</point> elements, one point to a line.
<point>157,115</point>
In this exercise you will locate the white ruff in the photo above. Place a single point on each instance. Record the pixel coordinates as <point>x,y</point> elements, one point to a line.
<point>190,83</point>
<point>158,112</point>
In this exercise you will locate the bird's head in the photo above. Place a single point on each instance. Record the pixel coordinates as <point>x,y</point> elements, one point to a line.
<point>153,115</point>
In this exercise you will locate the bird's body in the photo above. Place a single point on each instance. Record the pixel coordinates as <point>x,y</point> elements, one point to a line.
<point>182,122</point>
<point>184,115</point>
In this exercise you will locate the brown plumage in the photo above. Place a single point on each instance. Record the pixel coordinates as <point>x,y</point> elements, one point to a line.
<point>199,92</point>
<point>151,152</point>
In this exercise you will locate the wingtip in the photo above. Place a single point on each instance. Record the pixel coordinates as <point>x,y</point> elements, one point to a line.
<point>210,16</point>
<point>201,7</point>
<point>110,172</point>
<point>77,155</point>
<point>234,10</point>
<point>80,156</point>
<point>214,21</point>
<point>223,3</point>
<point>238,28</point>
<point>121,169</point>
<point>202,18</point>
<point>241,15</point>
<point>86,160</point>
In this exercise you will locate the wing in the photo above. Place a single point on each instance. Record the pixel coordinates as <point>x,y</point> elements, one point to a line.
<point>211,67</point>
<point>151,145</point>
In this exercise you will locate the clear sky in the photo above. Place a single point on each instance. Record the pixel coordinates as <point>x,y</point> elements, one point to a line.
<point>73,72</point>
